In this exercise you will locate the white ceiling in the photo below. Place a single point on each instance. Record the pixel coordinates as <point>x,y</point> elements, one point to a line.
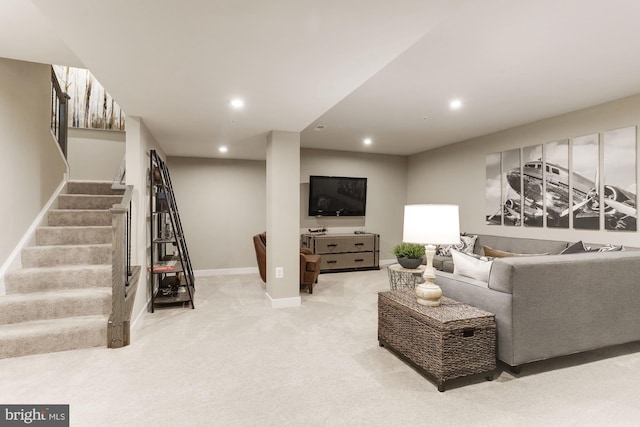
<point>380,69</point>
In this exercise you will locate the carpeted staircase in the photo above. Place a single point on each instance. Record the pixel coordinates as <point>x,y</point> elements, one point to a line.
<point>61,297</point>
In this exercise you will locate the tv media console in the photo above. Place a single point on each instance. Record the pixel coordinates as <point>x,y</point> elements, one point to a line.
<point>345,252</point>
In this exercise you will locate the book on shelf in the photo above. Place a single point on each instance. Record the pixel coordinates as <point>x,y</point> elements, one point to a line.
<point>163,266</point>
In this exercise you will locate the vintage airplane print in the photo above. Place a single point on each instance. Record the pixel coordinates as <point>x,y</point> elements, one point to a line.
<point>549,187</point>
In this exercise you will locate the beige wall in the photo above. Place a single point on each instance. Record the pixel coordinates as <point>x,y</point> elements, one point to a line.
<point>456,173</point>
<point>386,193</point>
<point>94,155</point>
<point>222,205</point>
<point>223,202</point>
<point>31,165</point>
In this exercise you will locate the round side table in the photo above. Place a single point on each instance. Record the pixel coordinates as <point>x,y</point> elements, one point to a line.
<point>401,278</point>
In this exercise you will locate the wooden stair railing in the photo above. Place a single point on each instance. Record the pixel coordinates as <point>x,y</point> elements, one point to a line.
<point>124,277</point>
<point>59,113</point>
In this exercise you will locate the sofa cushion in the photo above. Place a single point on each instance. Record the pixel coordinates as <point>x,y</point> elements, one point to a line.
<point>496,253</point>
<point>471,266</point>
<point>519,245</point>
<point>438,261</point>
<point>442,263</point>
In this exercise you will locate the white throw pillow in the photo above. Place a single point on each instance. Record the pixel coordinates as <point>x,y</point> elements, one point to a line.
<point>470,266</point>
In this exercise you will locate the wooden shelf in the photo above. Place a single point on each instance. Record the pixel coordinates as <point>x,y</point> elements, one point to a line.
<point>173,240</point>
<point>181,297</point>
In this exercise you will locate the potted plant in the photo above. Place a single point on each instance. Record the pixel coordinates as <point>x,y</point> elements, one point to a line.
<point>409,255</point>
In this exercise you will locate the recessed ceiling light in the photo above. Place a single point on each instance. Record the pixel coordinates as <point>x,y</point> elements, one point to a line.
<point>223,149</point>
<point>455,104</point>
<point>236,103</point>
<point>367,141</point>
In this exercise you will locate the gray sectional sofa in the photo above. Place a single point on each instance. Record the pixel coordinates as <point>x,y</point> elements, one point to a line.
<point>552,305</point>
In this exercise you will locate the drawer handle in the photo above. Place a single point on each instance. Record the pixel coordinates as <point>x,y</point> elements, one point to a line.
<point>332,261</point>
<point>358,260</point>
<point>332,245</point>
<point>359,244</point>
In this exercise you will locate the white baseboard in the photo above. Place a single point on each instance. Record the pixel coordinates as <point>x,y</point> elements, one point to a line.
<point>14,261</point>
<point>225,271</point>
<point>254,270</point>
<point>282,302</point>
<point>137,322</point>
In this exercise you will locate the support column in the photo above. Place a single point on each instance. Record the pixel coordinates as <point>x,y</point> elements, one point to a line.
<point>283,219</point>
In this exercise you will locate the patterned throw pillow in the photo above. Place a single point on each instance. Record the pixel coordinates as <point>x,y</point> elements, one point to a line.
<point>580,247</point>
<point>610,248</point>
<point>576,248</point>
<point>467,242</point>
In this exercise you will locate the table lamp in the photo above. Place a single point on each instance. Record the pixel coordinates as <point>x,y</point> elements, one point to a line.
<point>430,225</point>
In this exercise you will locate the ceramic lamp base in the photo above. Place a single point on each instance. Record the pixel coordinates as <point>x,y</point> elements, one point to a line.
<point>428,294</point>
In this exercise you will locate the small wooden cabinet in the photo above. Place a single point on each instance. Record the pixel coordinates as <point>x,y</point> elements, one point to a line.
<point>345,252</point>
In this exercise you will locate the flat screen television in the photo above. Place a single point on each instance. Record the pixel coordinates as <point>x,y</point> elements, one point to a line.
<point>337,196</point>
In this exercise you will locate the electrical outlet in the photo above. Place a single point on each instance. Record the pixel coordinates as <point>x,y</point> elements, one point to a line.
<point>279,272</point>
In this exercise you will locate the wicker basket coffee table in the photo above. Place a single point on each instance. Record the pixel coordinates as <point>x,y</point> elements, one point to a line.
<point>443,343</point>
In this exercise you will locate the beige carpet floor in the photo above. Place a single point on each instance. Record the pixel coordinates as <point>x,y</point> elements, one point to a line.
<point>233,361</point>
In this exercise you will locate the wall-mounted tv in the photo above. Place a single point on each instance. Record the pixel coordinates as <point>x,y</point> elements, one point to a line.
<point>337,196</point>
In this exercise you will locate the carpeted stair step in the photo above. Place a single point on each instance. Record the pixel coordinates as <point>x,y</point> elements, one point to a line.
<point>48,256</point>
<point>79,217</point>
<point>46,236</point>
<point>61,297</point>
<point>41,279</point>
<point>87,201</point>
<point>46,336</point>
<point>91,187</point>
<point>54,305</point>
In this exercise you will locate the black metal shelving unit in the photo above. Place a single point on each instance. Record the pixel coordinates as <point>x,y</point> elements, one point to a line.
<point>172,280</point>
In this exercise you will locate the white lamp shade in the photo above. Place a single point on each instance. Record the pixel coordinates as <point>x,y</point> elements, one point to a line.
<point>431,224</point>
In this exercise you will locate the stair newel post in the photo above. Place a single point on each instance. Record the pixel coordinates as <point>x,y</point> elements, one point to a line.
<point>116,332</point>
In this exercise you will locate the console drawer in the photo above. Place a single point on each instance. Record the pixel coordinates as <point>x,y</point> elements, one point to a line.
<point>327,245</point>
<point>353,260</point>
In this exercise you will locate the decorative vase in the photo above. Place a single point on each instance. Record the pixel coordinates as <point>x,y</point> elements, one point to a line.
<point>411,263</point>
